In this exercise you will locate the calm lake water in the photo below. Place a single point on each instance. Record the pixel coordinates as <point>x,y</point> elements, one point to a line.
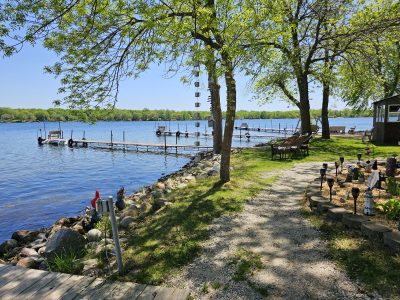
<point>38,185</point>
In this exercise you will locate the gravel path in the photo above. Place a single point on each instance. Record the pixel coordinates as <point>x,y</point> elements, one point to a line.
<point>294,264</point>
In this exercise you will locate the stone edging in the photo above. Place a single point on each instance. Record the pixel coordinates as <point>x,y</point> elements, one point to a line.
<point>376,232</point>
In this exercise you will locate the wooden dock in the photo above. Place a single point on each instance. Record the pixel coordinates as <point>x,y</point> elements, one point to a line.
<point>270,130</point>
<point>22,283</point>
<point>122,145</point>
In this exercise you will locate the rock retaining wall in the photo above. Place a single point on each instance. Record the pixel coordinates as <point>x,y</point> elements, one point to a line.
<point>376,232</point>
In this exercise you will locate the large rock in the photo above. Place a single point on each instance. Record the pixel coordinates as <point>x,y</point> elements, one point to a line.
<point>94,235</point>
<point>25,236</point>
<point>160,185</point>
<point>27,262</point>
<point>25,252</point>
<point>126,222</point>
<point>64,241</point>
<point>7,246</point>
<point>158,203</point>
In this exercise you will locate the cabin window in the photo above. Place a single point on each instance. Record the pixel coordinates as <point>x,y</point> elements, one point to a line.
<point>394,113</point>
<point>380,114</point>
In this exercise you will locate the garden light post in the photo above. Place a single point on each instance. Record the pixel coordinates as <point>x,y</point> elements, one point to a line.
<point>330,182</point>
<point>336,167</point>
<point>322,172</point>
<point>341,159</point>
<point>355,191</point>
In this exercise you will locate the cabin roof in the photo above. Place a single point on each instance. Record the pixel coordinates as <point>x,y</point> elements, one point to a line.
<point>395,97</point>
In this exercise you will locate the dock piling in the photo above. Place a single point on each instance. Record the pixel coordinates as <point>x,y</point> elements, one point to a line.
<point>111,139</point>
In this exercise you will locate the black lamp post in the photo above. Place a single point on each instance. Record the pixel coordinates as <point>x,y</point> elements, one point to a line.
<point>341,159</point>
<point>336,167</point>
<point>359,156</point>
<point>323,173</point>
<point>330,182</point>
<point>355,191</point>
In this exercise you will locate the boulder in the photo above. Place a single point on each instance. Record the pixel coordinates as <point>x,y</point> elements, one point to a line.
<point>63,222</point>
<point>102,248</point>
<point>27,262</point>
<point>41,250</point>
<point>64,241</point>
<point>25,236</point>
<point>190,178</point>
<point>144,207</point>
<point>158,203</point>
<point>181,185</point>
<point>160,185</point>
<point>216,166</point>
<point>38,246</point>
<point>201,176</point>
<point>7,246</point>
<point>94,235</point>
<point>212,172</point>
<point>26,252</point>
<point>157,194</point>
<point>78,228</point>
<point>126,221</point>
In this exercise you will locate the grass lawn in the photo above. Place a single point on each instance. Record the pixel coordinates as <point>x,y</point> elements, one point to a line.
<point>165,242</point>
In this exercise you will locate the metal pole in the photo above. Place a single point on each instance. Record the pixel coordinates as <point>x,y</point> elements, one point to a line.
<point>72,133</point>
<point>115,235</point>
<point>84,135</point>
<point>45,133</point>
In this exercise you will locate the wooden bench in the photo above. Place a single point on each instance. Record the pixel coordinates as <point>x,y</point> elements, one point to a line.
<point>337,129</point>
<point>291,146</point>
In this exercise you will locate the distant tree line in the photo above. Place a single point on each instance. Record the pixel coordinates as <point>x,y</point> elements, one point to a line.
<point>65,115</point>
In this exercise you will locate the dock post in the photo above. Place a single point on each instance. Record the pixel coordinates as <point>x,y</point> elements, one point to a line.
<point>115,235</point>
<point>72,132</point>
<point>123,138</point>
<point>84,135</point>
<point>279,130</point>
<point>165,141</point>
<point>111,139</point>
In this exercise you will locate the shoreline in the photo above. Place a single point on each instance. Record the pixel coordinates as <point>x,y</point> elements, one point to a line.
<point>27,248</point>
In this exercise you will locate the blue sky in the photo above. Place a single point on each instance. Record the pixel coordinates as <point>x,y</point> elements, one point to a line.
<point>23,84</point>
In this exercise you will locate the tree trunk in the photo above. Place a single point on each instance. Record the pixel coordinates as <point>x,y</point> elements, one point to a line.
<point>215,104</point>
<point>324,111</point>
<point>229,123</point>
<point>304,105</point>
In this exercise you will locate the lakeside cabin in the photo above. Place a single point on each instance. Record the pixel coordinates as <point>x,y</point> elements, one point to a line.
<point>387,121</point>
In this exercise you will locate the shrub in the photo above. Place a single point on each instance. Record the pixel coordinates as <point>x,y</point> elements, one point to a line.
<point>391,209</point>
<point>393,187</point>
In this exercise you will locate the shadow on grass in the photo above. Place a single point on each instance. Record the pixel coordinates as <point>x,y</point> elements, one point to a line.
<point>171,239</point>
<point>362,259</point>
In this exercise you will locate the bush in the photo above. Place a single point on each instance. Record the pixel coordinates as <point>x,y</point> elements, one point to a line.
<point>393,187</point>
<point>391,209</point>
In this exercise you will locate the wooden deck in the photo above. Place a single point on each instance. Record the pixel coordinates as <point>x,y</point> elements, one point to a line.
<point>22,283</point>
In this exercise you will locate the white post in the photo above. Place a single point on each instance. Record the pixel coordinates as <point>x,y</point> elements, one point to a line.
<point>115,235</point>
